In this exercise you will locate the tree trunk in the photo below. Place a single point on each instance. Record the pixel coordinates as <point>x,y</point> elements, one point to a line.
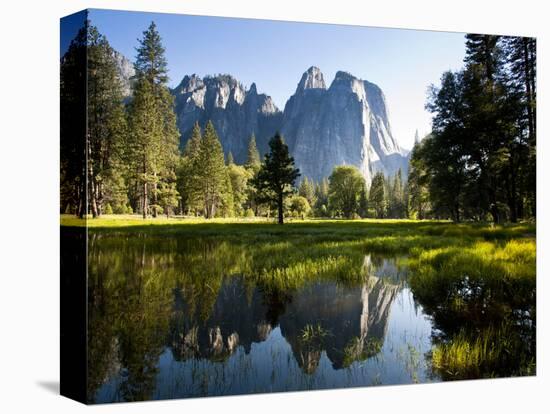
<point>154,195</point>
<point>280,208</point>
<point>144,204</point>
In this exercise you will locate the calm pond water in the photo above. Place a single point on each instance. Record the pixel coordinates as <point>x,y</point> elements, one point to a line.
<point>175,317</point>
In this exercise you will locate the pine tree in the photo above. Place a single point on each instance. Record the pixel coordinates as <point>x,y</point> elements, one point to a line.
<point>143,139</point>
<point>276,177</point>
<point>484,50</point>
<point>397,196</point>
<point>321,194</point>
<point>194,143</point>
<point>377,194</point>
<point>522,60</point>
<point>307,190</point>
<point>150,61</point>
<point>73,125</point>
<point>211,179</point>
<point>157,159</point>
<point>417,184</point>
<point>253,156</point>
<point>168,197</point>
<point>186,175</point>
<point>363,203</point>
<point>106,123</point>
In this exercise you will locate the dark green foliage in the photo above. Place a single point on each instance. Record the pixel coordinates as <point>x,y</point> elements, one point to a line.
<point>276,177</point>
<point>363,209</point>
<point>418,195</point>
<point>253,156</point>
<point>377,195</point>
<point>211,181</point>
<point>397,200</point>
<point>321,197</point>
<point>479,160</point>
<point>106,124</point>
<point>168,197</point>
<point>73,125</point>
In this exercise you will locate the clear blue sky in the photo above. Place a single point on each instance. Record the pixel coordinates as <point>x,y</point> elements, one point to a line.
<point>275,54</point>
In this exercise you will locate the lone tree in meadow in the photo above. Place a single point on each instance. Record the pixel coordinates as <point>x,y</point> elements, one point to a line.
<point>276,177</point>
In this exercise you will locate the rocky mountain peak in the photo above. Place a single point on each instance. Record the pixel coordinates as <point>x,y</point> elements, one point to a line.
<point>252,90</point>
<point>189,84</point>
<point>312,79</point>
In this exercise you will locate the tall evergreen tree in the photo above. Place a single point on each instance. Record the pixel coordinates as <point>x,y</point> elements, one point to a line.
<point>276,177</point>
<point>211,179</point>
<point>73,110</point>
<point>158,139</point>
<point>484,50</point>
<point>417,185</point>
<point>150,62</point>
<point>321,195</point>
<point>253,156</point>
<point>186,174</point>
<point>106,122</point>
<point>377,194</point>
<point>193,145</point>
<point>521,58</point>
<point>363,203</point>
<point>307,190</point>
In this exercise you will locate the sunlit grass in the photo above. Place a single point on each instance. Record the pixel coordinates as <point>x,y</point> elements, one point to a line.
<point>481,354</point>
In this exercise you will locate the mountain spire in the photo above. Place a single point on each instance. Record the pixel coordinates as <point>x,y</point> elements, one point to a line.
<point>312,79</point>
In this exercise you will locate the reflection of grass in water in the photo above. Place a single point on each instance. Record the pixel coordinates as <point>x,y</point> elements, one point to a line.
<point>361,349</point>
<point>483,354</point>
<point>313,335</point>
<point>479,282</point>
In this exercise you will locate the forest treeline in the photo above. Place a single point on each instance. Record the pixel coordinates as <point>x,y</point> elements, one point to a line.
<point>123,157</point>
<point>479,162</point>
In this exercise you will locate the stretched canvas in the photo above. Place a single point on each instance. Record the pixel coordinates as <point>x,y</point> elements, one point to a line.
<point>241,214</point>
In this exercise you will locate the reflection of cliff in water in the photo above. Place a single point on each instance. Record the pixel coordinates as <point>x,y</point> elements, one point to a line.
<point>347,322</point>
<point>241,315</point>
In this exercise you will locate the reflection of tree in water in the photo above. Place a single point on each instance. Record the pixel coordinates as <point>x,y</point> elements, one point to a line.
<point>128,312</point>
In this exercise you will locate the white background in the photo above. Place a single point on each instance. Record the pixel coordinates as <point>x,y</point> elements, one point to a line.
<point>29,240</point>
